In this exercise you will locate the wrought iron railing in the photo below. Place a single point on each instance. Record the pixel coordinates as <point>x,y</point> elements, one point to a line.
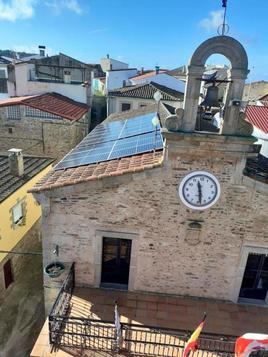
<point>257,168</point>
<point>61,306</point>
<point>80,333</point>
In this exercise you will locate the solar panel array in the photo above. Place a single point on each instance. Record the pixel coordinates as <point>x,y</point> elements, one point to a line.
<point>115,140</point>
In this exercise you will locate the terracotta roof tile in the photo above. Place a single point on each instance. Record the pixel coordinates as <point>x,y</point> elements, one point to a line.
<point>148,74</point>
<point>258,116</point>
<point>71,176</point>
<point>53,103</point>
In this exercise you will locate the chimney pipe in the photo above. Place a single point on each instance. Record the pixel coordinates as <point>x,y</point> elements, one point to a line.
<point>108,56</point>
<point>42,50</point>
<point>15,160</point>
<point>156,69</point>
<point>142,70</point>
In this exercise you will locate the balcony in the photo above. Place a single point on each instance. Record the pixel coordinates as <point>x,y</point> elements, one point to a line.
<point>257,168</point>
<point>82,321</point>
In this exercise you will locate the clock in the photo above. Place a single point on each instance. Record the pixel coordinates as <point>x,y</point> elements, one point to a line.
<point>199,190</point>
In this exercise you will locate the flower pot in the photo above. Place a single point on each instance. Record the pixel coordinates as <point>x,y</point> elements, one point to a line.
<point>54,269</point>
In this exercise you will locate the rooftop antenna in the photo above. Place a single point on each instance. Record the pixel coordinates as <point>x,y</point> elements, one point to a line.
<point>223,29</point>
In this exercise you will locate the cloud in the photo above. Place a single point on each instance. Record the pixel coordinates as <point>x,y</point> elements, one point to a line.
<point>60,5</point>
<point>212,22</point>
<point>12,10</point>
<point>31,49</point>
<point>16,9</point>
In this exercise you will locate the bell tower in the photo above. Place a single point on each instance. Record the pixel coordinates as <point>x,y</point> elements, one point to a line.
<point>237,74</point>
<point>233,141</point>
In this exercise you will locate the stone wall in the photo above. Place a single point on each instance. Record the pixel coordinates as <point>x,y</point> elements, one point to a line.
<point>166,256</point>
<point>39,136</point>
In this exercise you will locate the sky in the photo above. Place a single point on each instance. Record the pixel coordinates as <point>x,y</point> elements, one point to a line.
<point>143,33</point>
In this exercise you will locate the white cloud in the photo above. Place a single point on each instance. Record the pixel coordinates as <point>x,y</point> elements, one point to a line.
<point>16,9</point>
<point>59,5</point>
<point>212,22</point>
<point>12,10</point>
<point>31,49</point>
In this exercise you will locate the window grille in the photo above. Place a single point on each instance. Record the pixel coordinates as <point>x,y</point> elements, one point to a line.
<point>36,113</point>
<point>14,112</point>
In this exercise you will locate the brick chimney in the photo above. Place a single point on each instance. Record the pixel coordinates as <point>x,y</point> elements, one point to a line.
<point>15,160</point>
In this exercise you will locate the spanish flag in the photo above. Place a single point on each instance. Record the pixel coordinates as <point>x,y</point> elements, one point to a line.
<point>191,344</point>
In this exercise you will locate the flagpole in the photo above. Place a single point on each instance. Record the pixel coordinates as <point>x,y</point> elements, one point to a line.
<point>224,21</point>
<point>118,330</point>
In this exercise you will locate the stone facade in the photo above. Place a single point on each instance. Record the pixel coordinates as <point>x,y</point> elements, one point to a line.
<point>175,250</point>
<point>166,256</point>
<point>41,136</point>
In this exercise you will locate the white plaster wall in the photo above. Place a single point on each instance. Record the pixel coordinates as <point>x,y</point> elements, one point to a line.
<point>106,64</point>
<point>26,87</point>
<point>262,140</point>
<point>114,79</point>
<point>115,103</point>
<point>163,79</point>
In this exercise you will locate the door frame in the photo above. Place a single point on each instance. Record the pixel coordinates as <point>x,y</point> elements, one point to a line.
<point>97,255</point>
<point>245,251</point>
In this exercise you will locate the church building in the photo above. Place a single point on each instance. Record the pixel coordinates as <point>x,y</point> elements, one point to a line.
<point>164,206</point>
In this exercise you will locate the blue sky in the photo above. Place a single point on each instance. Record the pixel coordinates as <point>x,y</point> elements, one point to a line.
<point>141,32</point>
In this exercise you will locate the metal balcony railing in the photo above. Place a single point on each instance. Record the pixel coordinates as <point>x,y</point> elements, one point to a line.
<point>80,333</point>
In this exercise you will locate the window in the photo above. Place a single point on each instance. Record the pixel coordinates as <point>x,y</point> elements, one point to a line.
<point>8,274</point>
<point>17,213</point>
<point>125,106</point>
<point>3,85</point>
<point>14,112</point>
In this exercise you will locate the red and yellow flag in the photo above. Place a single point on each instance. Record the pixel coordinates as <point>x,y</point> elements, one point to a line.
<point>191,344</point>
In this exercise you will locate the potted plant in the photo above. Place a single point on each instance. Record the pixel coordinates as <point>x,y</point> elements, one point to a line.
<point>54,269</point>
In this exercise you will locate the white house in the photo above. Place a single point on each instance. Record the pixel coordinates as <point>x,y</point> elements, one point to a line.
<point>108,64</point>
<point>119,78</point>
<point>160,77</point>
<point>141,96</point>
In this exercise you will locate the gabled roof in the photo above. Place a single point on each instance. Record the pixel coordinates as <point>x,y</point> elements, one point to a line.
<point>147,91</point>
<point>148,74</point>
<point>93,172</point>
<point>9,183</point>
<point>257,115</point>
<point>53,103</point>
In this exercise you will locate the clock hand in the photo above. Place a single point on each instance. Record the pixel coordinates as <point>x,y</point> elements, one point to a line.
<point>199,191</point>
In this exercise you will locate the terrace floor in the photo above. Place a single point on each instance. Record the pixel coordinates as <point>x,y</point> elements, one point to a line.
<point>159,310</point>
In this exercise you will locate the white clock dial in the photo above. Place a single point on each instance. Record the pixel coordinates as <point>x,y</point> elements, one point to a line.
<point>199,190</point>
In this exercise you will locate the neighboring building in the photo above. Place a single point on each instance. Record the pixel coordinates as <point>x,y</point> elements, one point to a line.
<point>98,85</point>
<point>141,95</point>
<point>108,64</point>
<point>253,91</point>
<point>60,73</point>
<point>48,124</point>
<point>257,115</point>
<point>118,78</point>
<point>20,285</point>
<point>161,77</point>
<point>176,223</point>
<point>7,78</point>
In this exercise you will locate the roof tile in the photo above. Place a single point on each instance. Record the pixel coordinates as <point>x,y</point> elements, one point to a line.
<point>70,176</point>
<point>258,116</point>
<point>53,103</point>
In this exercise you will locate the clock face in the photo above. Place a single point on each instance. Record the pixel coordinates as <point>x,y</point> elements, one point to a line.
<point>199,190</point>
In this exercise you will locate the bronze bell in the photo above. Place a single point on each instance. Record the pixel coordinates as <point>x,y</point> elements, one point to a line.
<point>212,97</point>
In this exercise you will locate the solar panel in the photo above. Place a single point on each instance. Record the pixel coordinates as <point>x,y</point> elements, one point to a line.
<point>115,140</point>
